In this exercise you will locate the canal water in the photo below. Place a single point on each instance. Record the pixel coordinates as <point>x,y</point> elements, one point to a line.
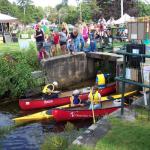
<point>29,136</point>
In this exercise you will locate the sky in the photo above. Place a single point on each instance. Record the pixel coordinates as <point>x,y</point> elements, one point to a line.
<point>52,3</point>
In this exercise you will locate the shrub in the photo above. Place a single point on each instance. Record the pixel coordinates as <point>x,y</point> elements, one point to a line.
<point>69,127</point>
<point>15,72</point>
<point>55,142</point>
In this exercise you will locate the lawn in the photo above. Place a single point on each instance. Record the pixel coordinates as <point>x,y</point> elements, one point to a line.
<point>125,135</point>
<point>9,47</point>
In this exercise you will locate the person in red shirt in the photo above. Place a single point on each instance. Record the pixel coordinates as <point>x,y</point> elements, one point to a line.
<point>56,47</point>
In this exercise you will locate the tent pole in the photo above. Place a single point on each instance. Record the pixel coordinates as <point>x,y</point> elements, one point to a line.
<point>121,8</point>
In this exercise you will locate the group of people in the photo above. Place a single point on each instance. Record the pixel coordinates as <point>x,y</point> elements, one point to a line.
<point>84,37</point>
<point>49,91</point>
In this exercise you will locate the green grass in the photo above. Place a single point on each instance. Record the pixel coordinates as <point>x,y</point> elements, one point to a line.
<point>119,44</point>
<point>126,136</point>
<point>9,47</point>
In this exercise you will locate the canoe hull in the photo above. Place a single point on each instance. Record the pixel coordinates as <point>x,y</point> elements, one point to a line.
<point>43,115</point>
<point>29,104</point>
<point>34,117</point>
<point>70,115</point>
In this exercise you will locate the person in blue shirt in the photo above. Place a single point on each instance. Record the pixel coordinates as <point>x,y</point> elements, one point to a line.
<point>75,99</point>
<point>92,36</point>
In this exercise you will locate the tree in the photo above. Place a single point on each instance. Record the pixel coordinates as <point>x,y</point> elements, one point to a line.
<point>51,13</point>
<point>112,8</point>
<point>24,4</point>
<point>5,6</point>
<point>64,2</point>
<point>144,9</point>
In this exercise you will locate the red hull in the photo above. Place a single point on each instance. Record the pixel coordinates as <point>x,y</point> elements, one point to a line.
<point>70,115</point>
<point>30,104</point>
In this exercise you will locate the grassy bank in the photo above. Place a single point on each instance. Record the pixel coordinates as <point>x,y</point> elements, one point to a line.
<point>125,135</point>
<point>9,47</point>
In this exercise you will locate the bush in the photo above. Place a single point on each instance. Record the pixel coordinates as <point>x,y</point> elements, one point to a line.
<point>79,147</point>
<point>55,142</point>
<point>69,127</point>
<point>15,72</point>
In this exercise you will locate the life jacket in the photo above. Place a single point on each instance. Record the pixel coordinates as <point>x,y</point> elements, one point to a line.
<point>94,97</point>
<point>101,79</point>
<point>48,89</point>
<point>75,99</point>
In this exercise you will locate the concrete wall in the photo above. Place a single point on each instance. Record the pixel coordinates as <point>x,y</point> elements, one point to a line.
<point>69,69</point>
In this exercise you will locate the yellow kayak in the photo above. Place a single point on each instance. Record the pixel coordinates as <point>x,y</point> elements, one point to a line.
<point>43,115</point>
<point>117,96</point>
<point>46,115</point>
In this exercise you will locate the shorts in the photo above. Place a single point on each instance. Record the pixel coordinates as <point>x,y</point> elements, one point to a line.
<point>63,43</point>
<point>39,45</point>
<point>96,106</point>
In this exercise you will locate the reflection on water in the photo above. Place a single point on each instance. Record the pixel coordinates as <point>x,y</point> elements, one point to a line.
<point>26,137</point>
<point>29,136</point>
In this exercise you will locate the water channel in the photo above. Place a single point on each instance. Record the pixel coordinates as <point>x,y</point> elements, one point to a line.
<point>29,136</point>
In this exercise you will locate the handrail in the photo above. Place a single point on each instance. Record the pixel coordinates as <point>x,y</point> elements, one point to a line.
<point>132,54</point>
<point>120,78</point>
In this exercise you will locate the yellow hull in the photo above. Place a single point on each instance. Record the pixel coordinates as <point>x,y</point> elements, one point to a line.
<point>105,98</point>
<point>36,116</point>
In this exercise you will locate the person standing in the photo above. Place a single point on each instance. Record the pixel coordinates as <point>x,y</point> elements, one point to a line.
<point>39,36</point>
<point>85,32</point>
<point>63,40</point>
<point>56,46</point>
<point>77,40</point>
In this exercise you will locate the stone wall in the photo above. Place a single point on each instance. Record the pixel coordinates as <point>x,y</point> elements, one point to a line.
<point>69,69</point>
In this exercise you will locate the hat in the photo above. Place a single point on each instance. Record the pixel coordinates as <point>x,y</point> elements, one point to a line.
<point>76,92</point>
<point>37,26</point>
<point>95,88</point>
<point>55,83</point>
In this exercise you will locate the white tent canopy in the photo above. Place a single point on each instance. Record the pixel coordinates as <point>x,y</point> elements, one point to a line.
<point>6,18</point>
<point>125,18</point>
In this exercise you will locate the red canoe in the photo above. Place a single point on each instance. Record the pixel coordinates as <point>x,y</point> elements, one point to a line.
<point>82,113</point>
<point>30,104</point>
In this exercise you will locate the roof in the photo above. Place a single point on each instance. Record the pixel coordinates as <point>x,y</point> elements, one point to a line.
<point>6,18</point>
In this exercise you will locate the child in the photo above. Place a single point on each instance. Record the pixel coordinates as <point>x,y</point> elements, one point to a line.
<point>56,45</point>
<point>75,99</point>
<point>71,46</point>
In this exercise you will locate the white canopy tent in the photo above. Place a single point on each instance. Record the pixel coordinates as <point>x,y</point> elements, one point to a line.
<point>124,19</point>
<point>6,18</point>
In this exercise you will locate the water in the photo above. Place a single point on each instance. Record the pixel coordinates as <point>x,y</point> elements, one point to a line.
<point>29,136</point>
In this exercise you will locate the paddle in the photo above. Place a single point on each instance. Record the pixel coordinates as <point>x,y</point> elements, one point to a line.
<point>92,106</point>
